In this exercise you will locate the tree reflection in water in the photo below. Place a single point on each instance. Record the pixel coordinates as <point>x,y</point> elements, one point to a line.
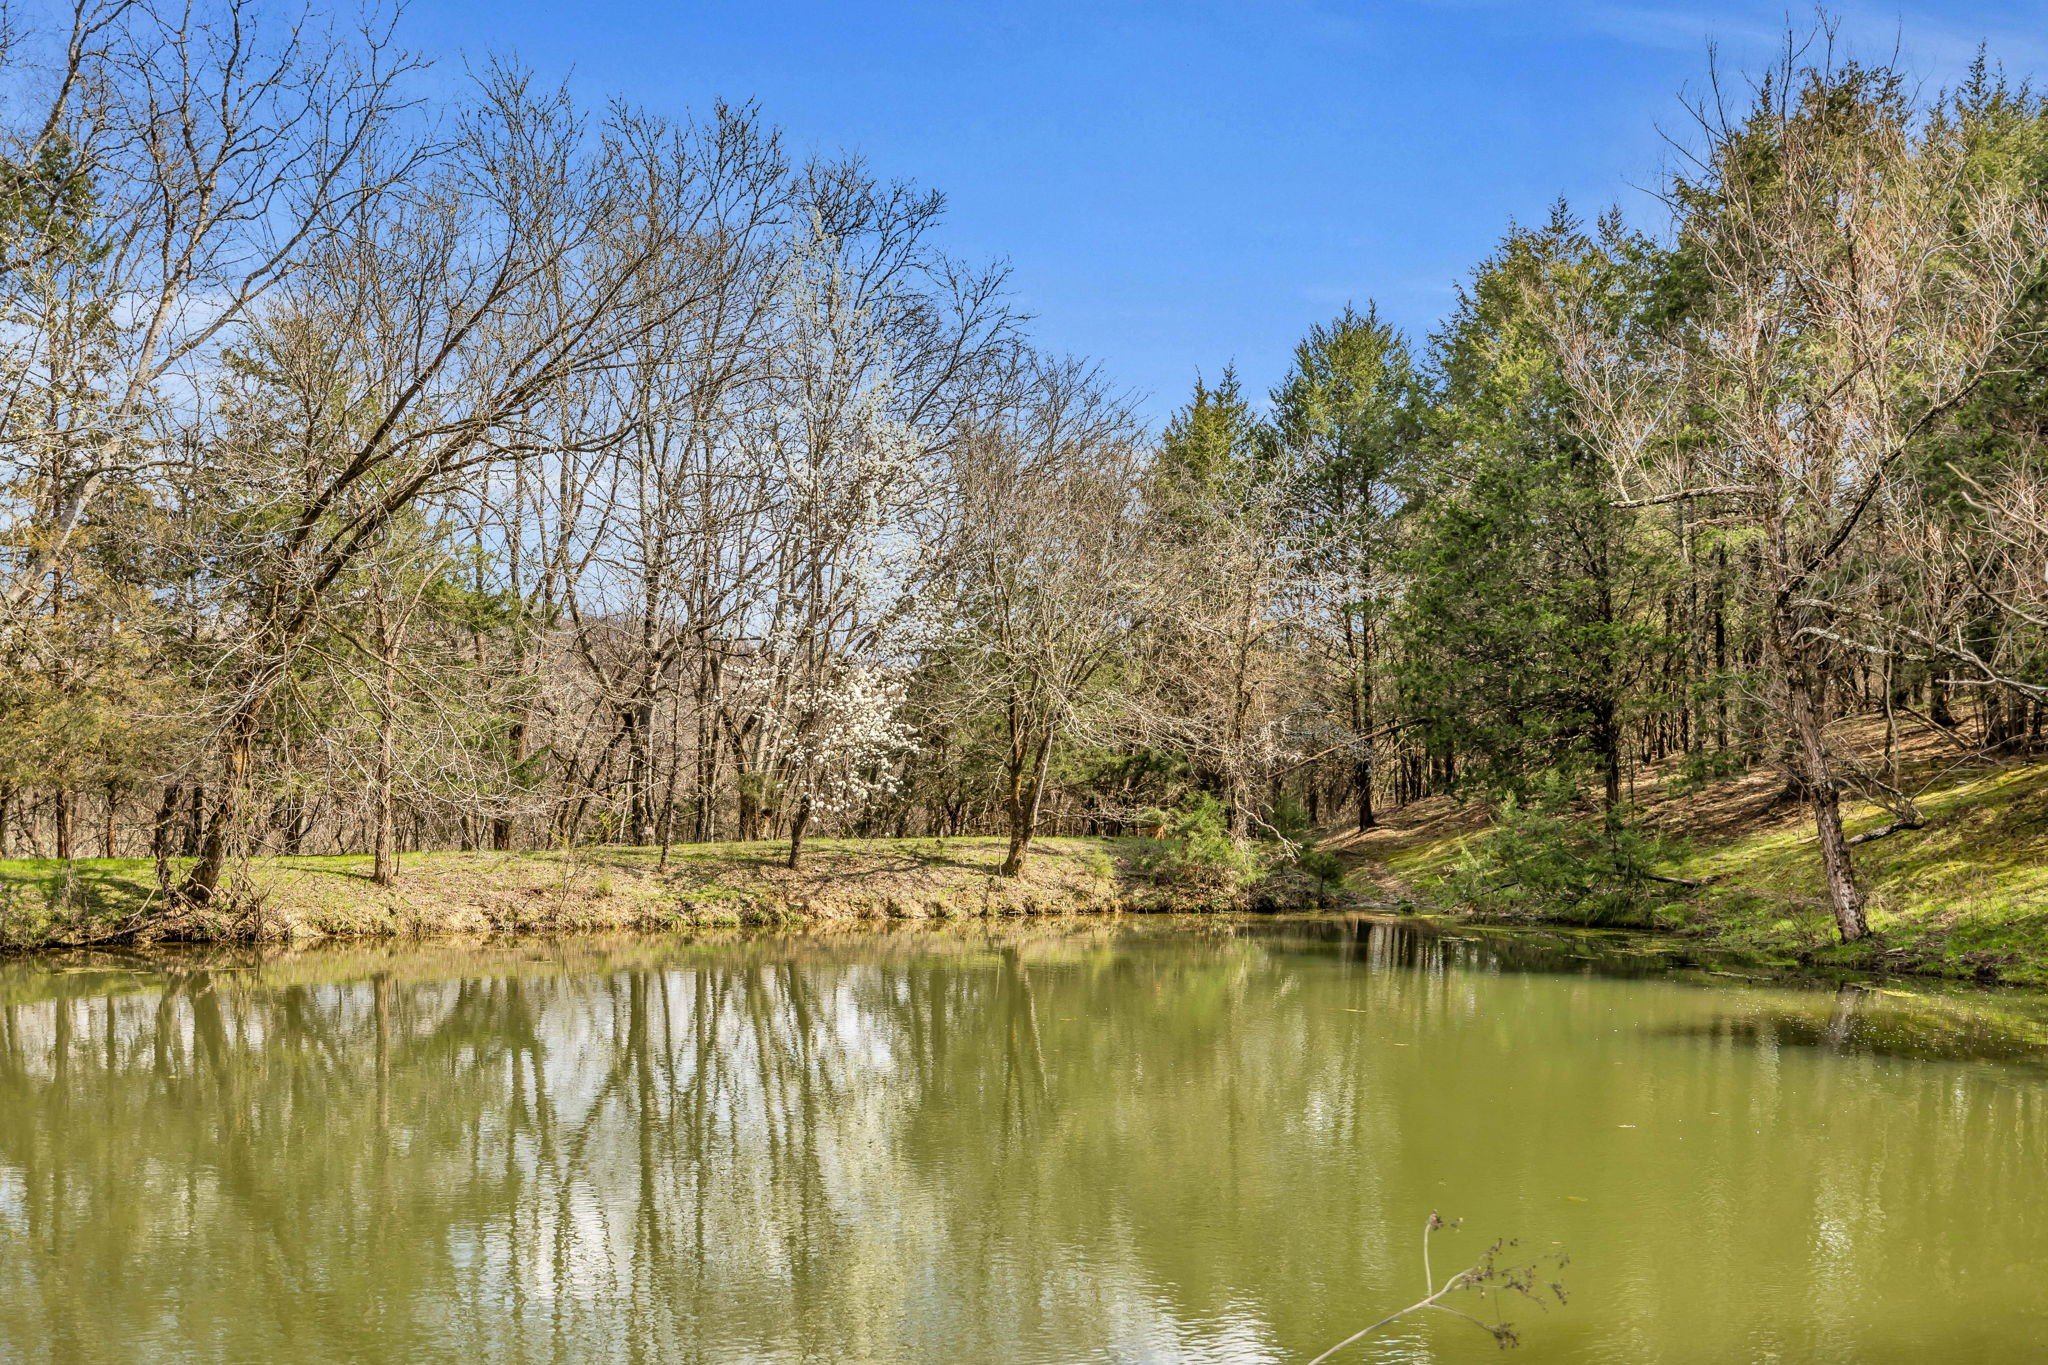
<point>1038,1144</point>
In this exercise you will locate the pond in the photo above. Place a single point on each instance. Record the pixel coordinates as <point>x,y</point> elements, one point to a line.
<point>1084,1140</point>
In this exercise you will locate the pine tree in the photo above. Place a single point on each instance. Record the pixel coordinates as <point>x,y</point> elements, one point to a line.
<point>1344,422</point>
<point>1525,624</point>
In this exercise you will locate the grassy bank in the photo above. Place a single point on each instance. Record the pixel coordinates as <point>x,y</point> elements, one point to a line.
<point>46,903</point>
<point>1965,896</point>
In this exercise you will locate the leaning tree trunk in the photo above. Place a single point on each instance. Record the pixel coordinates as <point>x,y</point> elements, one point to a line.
<point>1823,795</point>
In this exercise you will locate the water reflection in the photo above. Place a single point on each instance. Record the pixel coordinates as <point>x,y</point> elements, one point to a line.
<point>1159,1142</point>
<point>1872,1022</point>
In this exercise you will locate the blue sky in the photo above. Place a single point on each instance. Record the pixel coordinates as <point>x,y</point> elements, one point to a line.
<point>1182,185</point>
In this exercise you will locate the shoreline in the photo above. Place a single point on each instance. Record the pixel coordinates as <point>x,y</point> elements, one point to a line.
<point>1754,911</point>
<point>47,905</point>
<point>1964,897</point>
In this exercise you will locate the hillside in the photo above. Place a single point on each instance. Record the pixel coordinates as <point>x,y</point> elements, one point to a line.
<point>1965,895</point>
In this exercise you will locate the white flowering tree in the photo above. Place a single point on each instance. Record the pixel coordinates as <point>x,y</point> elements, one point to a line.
<point>881,344</point>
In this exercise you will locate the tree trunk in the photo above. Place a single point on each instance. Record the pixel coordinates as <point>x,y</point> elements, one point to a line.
<point>749,808</point>
<point>1363,725</point>
<point>703,816</point>
<point>1823,795</point>
<point>502,831</point>
<point>1358,646</point>
<point>195,824</point>
<point>384,855</point>
<point>296,821</point>
<point>798,823</point>
<point>384,848</point>
<point>160,833</point>
<point>160,828</point>
<point>639,772</point>
<point>1607,745</point>
<point>60,814</point>
<point>1720,648</point>
<point>202,884</point>
<point>667,821</point>
<point>1026,791</point>
<point>2005,720</point>
<point>1938,704</point>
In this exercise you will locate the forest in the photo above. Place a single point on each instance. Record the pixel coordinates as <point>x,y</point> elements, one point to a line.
<point>396,457</point>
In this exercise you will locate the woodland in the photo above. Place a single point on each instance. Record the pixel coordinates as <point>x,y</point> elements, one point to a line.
<point>381,475</point>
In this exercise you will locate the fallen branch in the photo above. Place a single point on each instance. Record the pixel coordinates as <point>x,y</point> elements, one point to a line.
<point>1484,1275</point>
<point>1872,836</point>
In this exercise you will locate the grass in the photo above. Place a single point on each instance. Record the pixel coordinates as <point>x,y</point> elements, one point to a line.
<point>47,903</point>
<point>1966,896</point>
<point>41,897</point>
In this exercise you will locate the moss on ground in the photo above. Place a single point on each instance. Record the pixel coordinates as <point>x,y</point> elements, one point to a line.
<point>1964,896</point>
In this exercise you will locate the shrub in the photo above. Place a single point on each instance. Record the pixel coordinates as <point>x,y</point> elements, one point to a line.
<point>1544,857</point>
<point>1194,848</point>
<point>1321,865</point>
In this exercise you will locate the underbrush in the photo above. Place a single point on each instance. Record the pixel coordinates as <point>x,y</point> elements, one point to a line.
<point>1195,857</point>
<point>1965,895</point>
<point>1552,859</point>
<point>1193,850</point>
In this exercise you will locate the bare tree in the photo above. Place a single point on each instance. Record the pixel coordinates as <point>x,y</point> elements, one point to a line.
<point>182,163</point>
<point>1051,575</point>
<point>406,355</point>
<point>661,583</point>
<point>1858,281</point>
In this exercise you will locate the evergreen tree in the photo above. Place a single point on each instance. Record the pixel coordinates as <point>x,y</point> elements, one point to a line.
<point>1213,457</point>
<point>1344,421</point>
<point>1525,624</point>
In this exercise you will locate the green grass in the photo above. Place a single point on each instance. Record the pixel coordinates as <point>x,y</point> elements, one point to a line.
<point>40,896</point>
<point>1965,896</point>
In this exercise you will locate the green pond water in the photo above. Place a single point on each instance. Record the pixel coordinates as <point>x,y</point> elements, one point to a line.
<point>1213,1140</point>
